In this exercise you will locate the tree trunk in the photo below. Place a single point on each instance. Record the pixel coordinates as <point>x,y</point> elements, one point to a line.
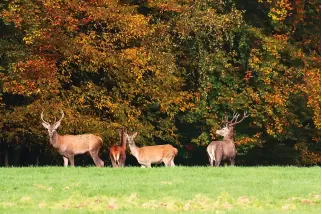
<point>16,155</point>
<point>37,160</point>
<point>6,157</point>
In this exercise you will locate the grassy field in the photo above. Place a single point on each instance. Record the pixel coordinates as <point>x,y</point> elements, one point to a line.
<point>160,190</point>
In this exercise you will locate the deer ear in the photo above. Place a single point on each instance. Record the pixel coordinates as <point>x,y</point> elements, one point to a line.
<point>45,125</point>
<point>134,134</point>
<point>126,135</point>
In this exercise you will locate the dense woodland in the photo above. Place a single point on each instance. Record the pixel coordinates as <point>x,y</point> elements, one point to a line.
<point>169,69</point>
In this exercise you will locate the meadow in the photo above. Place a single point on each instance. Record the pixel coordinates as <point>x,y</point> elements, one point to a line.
<point>160,190</point>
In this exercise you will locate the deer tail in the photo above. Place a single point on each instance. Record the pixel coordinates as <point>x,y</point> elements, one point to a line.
<point>100,139</point>
<point>175,151</point>
<point>213,148</point>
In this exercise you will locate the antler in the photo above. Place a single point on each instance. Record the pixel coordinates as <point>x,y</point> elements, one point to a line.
<point>62,116</point>
<point>236,117</point>
<point>42,117</point>
<point>224,119</point>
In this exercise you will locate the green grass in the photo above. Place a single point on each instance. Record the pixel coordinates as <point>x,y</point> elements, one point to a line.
<point>160,190</point>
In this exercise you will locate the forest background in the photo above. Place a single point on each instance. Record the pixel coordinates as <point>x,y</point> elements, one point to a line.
<point>170,70</point>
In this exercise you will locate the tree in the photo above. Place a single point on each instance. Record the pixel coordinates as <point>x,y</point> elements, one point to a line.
<point>170,70</point>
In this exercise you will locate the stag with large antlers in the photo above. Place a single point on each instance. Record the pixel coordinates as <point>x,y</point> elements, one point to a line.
<point>70,145</point>
<point>225,150</point>
<point>117,152</point>
<point>148,155</point>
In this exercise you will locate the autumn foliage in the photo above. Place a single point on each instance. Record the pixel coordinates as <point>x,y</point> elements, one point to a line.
<point>170,70</point>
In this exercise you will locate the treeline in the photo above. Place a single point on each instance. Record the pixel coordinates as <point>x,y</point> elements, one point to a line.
<point>170,70</point>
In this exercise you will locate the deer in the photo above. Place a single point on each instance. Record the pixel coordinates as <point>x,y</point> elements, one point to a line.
<point>117,152</point>
<point>148,155</point>
<point>70,145</point>
<point>225,149</point>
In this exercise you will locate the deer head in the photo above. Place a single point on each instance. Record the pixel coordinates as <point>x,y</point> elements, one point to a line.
<point>130,138</point>
<point>121,132</point>
<point>229,125</point>
<point>51,127</point>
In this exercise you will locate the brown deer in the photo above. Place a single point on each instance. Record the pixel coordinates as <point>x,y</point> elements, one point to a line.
<point>148,155</point>
<point>117,153</point>
<point>225,149</point>
<point>70,145</point>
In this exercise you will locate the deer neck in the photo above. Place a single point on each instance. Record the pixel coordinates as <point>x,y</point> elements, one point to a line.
<point>229,138</point>
<point>123,142</point>
<point>55,140</point>
<point>134,150</point>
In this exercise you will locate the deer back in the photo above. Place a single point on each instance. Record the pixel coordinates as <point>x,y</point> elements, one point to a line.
<point>156,153</point>
<point>81,143</point>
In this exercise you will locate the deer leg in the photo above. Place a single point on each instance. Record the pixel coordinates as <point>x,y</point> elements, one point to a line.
<point>117,164</point>
<point>232,161</point>
<point>98,162</point>
<point>122,162</point>
<point>225,164</point>
<point>172,163</point>
<point>211,160</point>
<point>71,160</point>
<point>146,164</point>
<point>218,156</point>
<point>112,160</point>
<point>117,159</point>
<point>65,161</point>
<point>167,162</point>
<point>123,158</point>
<point>217,163</point>
<point>91,153</point>
<point>101,162</point>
